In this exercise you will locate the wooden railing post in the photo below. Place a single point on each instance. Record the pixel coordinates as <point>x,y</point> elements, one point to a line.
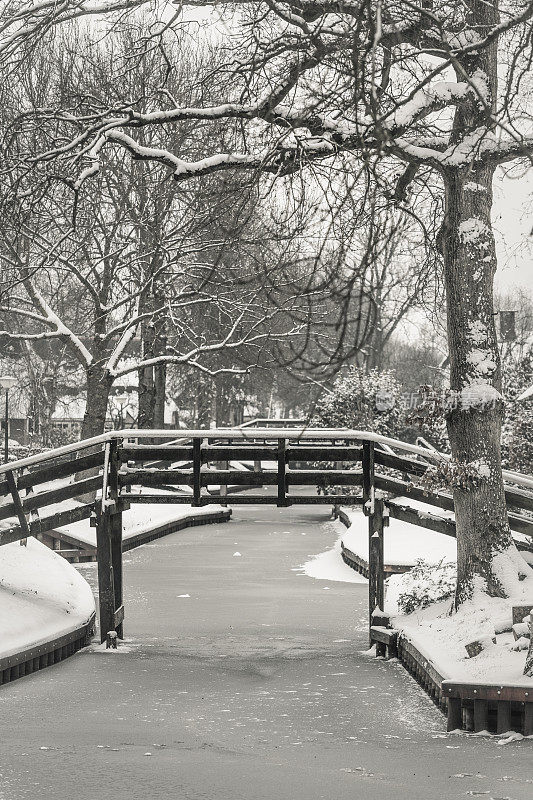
<point>282,473</point>
<point>376,583</point>
<point>106,591</point>
<point>368,478</point>
<point>196,467</point>
<point>115,535</point>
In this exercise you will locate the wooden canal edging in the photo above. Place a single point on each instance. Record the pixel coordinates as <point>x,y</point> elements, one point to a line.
<point>45,654</point>
<point>470,707</point>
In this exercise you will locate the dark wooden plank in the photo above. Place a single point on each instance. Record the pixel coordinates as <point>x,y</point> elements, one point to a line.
<point>238,478</point>
<point>46,523</point>
<point>520,524</point>
<point>196,472</point>
<point>115,533</point>
<point>282,470</point>
<point>325,477</point>
<point>368,476</point>
<point>75,552</point>
<point>42,499</point>
<point>422,519</point>
<point>455,716</point>
<point>521,498</point>
<point>481,715</point>
<point>503,716</point>
<point>401,463</point>
<point>143,452</point>
<point>376,584</point>
<point>238,453</point>
<point>158,499</point>
<point>487,691</point>
<point>17,502</point>
<point>527,725</point>
<point>106,593</point>
<point>324,453</point>
<point>8,510</point>
<point>406,489</point>
<point>325,499</point>
<point>155,477</point>
<point>60,470</point>
<point>386,635</point>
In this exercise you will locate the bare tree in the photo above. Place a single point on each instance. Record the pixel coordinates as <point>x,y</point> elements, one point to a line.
<point>410,94</point>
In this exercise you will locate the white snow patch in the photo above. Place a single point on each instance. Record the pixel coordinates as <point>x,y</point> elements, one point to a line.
<point>403,543</point>
<point>478,332</point>
<point>140,519</point>
<point>442,636</point>
<point>478,395</point>
<point>474,187</point>
<point>473,231</point>
<point>329,566</point>
<point>482,361</point>
<point>42,596</point>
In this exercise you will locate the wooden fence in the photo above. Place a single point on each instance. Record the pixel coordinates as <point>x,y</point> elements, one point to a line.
<point>103,476</point>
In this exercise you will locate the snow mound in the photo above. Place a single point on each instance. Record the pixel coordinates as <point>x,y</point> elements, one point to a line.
<point>441,636</point>
<point>42,597</point>
<point>404,543</point>
<point>329,566</point>
<point>141,518</point>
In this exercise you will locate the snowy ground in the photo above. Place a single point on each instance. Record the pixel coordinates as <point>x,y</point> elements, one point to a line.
<point>241,680</point>
<point>429,628</point>
<point>140,518</point>
<point>482,617</point>
<point>403,543</point>
<point>41,597</point>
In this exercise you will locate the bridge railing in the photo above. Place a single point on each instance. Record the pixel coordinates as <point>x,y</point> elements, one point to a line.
<point>101,477</point>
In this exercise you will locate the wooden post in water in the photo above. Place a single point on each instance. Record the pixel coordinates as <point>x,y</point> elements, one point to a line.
<point>115,536</point>
<point>376,584</point>
<point>282,473</point>
<point>196,467</point>
<point>368,477</point>
<point>106,591</point>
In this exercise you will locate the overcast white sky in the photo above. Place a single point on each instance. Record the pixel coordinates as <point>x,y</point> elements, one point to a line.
<point>513,221</point>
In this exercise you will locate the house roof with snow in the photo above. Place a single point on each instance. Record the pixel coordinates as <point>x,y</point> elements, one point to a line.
<point>122,406</point>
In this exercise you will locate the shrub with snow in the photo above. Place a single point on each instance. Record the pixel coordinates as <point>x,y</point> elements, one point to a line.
<point>425,584</point>
<point>517,443</point>
<point>371,401</point>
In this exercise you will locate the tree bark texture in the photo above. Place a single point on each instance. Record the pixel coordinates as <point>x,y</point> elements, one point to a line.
<point>476,408</point>
<point>98,387</point>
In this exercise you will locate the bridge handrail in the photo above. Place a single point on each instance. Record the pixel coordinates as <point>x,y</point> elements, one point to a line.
<point>308,433</point>
<point>304,433</point>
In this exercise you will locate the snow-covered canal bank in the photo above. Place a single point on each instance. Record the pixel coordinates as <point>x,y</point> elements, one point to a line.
<point>244,679</point>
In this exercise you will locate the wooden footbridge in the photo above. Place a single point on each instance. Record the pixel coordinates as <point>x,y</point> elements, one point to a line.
<point>101,477</point>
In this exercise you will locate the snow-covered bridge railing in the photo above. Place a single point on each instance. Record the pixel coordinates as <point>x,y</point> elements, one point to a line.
<point>101,477</point>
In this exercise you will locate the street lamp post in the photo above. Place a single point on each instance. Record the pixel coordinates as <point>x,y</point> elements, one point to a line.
<point>7,382</point>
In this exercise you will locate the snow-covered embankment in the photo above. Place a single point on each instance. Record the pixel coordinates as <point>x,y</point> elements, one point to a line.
<point>42,597</point>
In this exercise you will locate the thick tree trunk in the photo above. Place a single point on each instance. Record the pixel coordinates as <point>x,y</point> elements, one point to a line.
<point>98,387</point>
<point>474,419</point>
<point>476,407</point>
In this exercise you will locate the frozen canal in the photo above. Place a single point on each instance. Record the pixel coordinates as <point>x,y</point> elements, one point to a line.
<point>243,680</point>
